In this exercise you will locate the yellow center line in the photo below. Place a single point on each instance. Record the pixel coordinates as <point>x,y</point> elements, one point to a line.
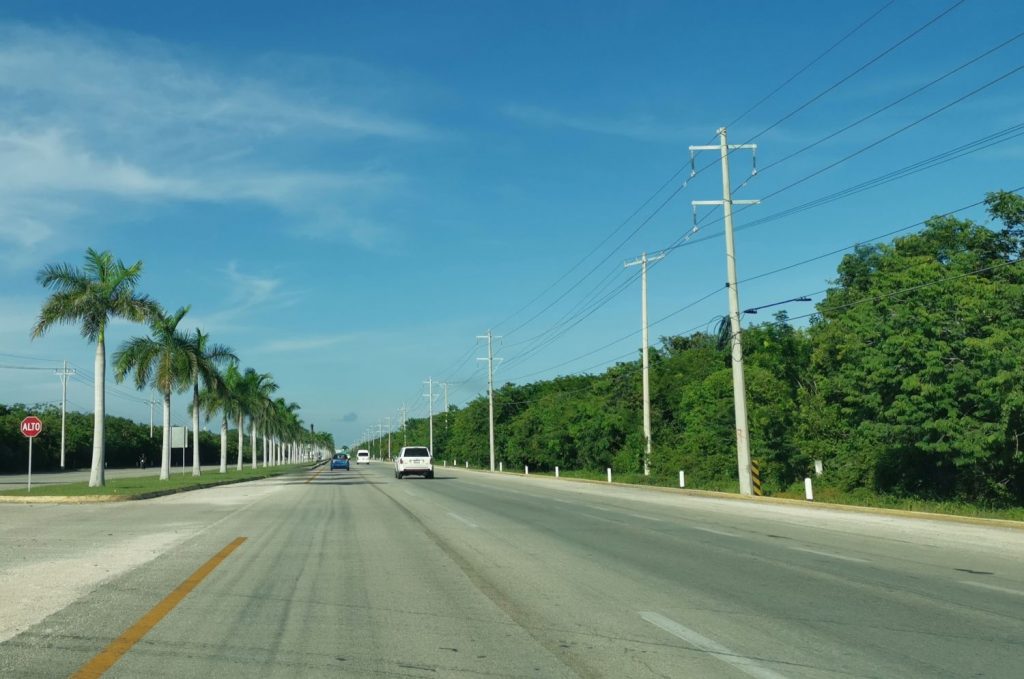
<point>105,659</point>
<point>315,475</point>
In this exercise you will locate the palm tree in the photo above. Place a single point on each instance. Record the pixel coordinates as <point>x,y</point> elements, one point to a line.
<point>103,289</point>
<point>234,403</point>
<point>203,359</point>
<point>291,426</point>
<point>163,360</point>
<point>256,390</point>
<point>211,401</point>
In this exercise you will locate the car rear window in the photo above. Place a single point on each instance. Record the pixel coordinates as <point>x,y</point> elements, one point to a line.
<point>363,454</point>
<point>416,452</point>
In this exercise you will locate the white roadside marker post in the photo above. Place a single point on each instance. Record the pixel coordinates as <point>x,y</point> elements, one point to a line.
<point>682,479</point>
<point>609,474</point>
<point>526,467</point>
<point>808,489</point>
<point>556,471</point>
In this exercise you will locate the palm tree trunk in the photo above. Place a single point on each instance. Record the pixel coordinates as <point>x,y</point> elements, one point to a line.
<point>252,441</point>
<point>241,441</point>
<point>97,477</point>
<point>264,450</point>
<point>224,442</point>
<point>195,429</point>
<point>165,453</point>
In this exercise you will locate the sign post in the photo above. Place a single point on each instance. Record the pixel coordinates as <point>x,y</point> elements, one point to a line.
<point>31,427</point>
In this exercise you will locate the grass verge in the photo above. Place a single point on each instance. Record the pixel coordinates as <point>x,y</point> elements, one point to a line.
<point>140,487</point>
<point>823,494</point>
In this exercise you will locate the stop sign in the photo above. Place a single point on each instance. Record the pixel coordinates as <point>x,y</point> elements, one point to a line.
<point>31,426</point>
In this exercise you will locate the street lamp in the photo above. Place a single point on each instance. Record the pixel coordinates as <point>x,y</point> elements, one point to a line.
<point>754,310</point>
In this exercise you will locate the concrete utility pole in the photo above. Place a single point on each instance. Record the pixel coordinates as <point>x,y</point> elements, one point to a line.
<point>380,438</point>
<point>490,388</point>
<point>389,437</point>
<point>63,374</point>
<point>430,407</point>
<point>643,261</point>
<point>738,383</point>
<point>405,437</point>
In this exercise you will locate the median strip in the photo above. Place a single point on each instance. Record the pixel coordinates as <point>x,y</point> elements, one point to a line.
<point>106,658</point>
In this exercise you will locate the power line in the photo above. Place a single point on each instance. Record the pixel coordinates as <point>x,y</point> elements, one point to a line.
<point>859,69</point>
<point>812,62</point>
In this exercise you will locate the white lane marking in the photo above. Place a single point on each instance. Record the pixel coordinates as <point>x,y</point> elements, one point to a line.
<point>744,664</point>
<point>604,518</point>
<point>716,532</point>
<point>995,588</point>
<point>465,521</point>
<point>641,516</point>
<point>828,554</point>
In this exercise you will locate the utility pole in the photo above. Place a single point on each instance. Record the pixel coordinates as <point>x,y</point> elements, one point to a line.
<point>151,404</point>
<point>389,437</point>
<point>63,374</point>
<point>405,436</point>
<point>738,382</point>
<point>490,388</point>
<point>380,438</point>
<point>430,408</point>
<point>643,261</point>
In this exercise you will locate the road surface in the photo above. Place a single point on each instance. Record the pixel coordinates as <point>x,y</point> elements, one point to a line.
<point>335,573</point>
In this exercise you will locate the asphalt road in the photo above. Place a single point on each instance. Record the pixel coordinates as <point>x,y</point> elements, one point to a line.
<point>473,575</point>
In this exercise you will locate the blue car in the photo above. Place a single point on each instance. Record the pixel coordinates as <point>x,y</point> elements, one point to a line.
<point>339,462</point>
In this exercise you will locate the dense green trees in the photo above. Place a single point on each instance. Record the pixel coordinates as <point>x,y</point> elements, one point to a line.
<point>908,380</point>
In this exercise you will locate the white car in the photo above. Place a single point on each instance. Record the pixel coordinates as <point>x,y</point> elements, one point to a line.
<point>363,457</point>
<point>414,460</point>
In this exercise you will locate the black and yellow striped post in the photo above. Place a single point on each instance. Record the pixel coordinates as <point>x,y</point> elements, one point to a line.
<point>755,476</point>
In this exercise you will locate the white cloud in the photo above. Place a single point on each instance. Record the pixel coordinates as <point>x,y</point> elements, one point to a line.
<point>92,119</point>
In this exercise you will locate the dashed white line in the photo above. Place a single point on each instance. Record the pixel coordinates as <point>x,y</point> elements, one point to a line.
<point>828,554</point>
<point>748,666</point>
<point>716,532</point>
<point>465,521</point>
<point>995,588</point>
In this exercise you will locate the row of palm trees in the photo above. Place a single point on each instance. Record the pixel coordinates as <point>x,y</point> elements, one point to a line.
<point>170,360</point>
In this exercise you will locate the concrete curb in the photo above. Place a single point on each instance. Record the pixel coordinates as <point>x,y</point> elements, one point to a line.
<point>882,511</point>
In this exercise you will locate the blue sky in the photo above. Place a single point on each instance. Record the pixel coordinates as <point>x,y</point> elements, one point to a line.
<point>348,193</point>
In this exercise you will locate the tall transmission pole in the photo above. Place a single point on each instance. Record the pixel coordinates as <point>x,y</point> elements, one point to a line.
<point>738,383</point>
<point>643,261</point>
<point>152,403</point>
<point>430,407</point>
<point>445,385</point>
<point>389,437</point>
<point>63,374</point>
<point>490,388</point>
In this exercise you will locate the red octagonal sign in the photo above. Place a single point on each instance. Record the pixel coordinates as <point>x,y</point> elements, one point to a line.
<point>31,426</point>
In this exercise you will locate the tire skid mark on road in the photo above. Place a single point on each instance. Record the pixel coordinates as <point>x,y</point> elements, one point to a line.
<point>994,588</point>
<point>518,615</point>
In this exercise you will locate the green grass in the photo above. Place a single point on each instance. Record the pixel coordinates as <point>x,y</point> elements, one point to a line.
<point>866,498</point>
<point>142,486</point>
